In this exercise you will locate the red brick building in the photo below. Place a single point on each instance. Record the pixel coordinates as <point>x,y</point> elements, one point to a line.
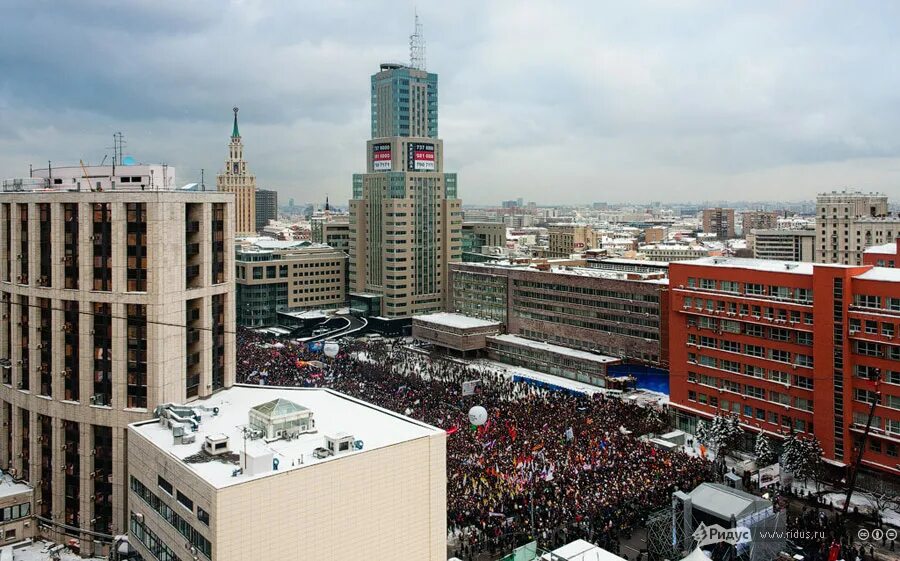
<point>789,346</point>
<point>887,255</point>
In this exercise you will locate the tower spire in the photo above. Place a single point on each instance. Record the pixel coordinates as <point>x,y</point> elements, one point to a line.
<point>417,46</point>
<point>234,131</point>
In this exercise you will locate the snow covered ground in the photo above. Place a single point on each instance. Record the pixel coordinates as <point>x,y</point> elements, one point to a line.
<point>40,551</point>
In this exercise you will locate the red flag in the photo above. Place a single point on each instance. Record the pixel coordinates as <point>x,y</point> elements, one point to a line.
<point>452,430</point>
<point>834,552</point>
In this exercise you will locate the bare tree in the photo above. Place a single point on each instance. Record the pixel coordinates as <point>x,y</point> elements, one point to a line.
<point>882,497</point>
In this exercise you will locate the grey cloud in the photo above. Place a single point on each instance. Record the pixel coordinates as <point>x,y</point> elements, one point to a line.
<point>585,100</point>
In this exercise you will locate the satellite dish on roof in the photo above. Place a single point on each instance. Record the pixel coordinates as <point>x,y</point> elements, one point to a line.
<point>128,161</point>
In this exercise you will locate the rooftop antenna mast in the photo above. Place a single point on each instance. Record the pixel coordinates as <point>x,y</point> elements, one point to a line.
<point>417,47</point>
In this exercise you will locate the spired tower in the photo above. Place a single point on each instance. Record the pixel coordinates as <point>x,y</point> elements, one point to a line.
<point>405,219</point>
<point>237,180</point>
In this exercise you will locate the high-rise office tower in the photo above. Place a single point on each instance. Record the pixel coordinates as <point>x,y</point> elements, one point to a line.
<point>236,179</point>
<point>116,295</point>
<point>405,215</point>
<point>266,208</point>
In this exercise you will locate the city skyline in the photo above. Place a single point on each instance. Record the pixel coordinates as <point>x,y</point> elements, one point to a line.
<point>640,102</point>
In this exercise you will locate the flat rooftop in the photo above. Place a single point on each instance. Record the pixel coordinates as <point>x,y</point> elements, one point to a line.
<point>888,248</point>
<point>754,264</point>
<point>551,348</point>
<point>458,321</point>
<point>10,487</point>
<point>333,412</point>
<point>880,274</point>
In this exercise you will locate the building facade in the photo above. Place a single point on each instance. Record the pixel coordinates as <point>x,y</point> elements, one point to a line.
<point>789,347</point>
<point>783,245</point>
<point>849,222</point>
<point>341,479</point>
<point>610,312</point>
<point>266,207</point>
<point>238,180</point>
<point>673,252</point>
<point>564,240</point>
<point>719,221</point>
<point>476,235</point>
<point>758,220</point>
<point>284,276</point>
<point>115,297</point>
<point>331,230</point>
<point>405,217</point>
<point>887,255</point>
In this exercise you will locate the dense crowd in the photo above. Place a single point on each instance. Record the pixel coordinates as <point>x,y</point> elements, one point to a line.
<point>550,465</point>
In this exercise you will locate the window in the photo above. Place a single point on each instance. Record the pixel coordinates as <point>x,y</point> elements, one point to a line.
<point>692,395</point>
<point>865,301</point>
<point>754,350</point>
<point>864,396</point>
<point>202,516</point>
<point>753,391</point>
<point>803,403</point>
<point>707,284</point>
<point>779,355</point>
<point>887,329</point>
<point>165,485</point>
<point>871,327</point>
<point>804,360</point>
<point>778,334</point>
<point>868,348</point>
<point>731,346</point>
<point>892,401</point>
<point>730,286</point>
<point>756,289</point>
<point>754,330</point>
<point>804,338</point>
<point>184,501</point>
<point>778,376</point>
<point>803,382</point>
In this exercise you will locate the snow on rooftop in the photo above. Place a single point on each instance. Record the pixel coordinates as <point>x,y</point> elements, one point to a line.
<point>458,321</point>
<point>333,413</point>
<point>888,248</point>
<point>754,264</point>
<point>40,551</point>
<point>551,348</point>
<point>880,274</point>
<point>581,550</point>
<point>10,487</point>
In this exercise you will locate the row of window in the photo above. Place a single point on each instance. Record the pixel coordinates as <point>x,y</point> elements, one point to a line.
<point>801,295</point>
<point>751,413</point>
<point>744,310</point>
<point>156,546</point>
<point>169,515</point>
<point>877,302</point>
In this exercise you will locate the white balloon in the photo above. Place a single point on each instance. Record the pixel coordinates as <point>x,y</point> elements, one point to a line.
<point>331,349</point>
<point>478,415</point>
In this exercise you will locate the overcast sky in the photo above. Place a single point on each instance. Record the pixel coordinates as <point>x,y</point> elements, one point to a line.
<point>561,102</point>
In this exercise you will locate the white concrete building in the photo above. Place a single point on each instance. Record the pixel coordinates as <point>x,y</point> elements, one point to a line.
<point>345,479</point>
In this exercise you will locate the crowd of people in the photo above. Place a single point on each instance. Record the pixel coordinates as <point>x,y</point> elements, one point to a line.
<point>548,465</point>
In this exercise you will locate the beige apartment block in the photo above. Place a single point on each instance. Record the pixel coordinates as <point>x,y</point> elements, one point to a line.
<point>238,180</point>
<point>341,480</point>
<point>566,239</point>
<point>287,276</point>
<point>848,222</point>
<point>112,301</point>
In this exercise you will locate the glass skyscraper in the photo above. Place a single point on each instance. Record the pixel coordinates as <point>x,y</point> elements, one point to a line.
<point>405,218</point>
<point>404,102</point>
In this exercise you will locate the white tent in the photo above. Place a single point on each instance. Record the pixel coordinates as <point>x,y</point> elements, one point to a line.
<point>696,555</point>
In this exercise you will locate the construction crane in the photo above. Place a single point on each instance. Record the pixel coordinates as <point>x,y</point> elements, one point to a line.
<point>84,174</point>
